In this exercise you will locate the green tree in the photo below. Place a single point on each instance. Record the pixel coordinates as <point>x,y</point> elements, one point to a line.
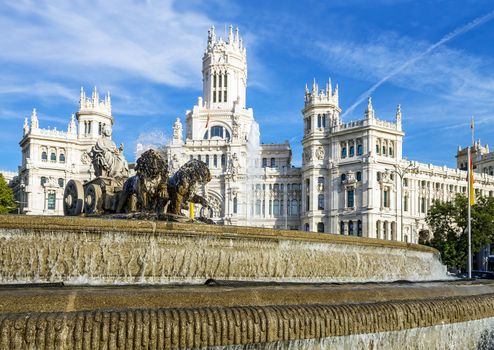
<point>7,202</point>
<point>448,222</point>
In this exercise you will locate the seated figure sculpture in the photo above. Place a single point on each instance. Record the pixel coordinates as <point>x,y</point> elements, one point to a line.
<point>147,190</point>
<point>107,159</point>
<point>183,184</point>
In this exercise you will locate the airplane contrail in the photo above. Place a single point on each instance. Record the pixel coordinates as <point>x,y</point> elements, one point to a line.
<point>450,36</point>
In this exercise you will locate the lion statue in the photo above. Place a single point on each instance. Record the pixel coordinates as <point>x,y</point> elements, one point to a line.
<point>147,190</point>
<point>183,184</point>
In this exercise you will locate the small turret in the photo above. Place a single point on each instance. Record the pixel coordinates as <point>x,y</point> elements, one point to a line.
<point>324,96</point>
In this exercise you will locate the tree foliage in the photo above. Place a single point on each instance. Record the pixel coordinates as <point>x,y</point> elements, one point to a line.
<point>448,222</point>
<point>7,202</point>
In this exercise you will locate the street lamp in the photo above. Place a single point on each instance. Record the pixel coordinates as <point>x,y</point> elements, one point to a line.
<point>401,172</point>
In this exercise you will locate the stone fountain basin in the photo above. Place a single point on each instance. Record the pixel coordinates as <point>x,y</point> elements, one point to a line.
<point>78,250</point>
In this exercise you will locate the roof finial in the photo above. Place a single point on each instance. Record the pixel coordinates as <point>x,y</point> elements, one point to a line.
<point>26,126</point>
<point>34,120</point>
<point>369,111</point>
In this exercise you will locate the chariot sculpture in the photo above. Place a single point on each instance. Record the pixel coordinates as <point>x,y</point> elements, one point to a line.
<point>150,190</point>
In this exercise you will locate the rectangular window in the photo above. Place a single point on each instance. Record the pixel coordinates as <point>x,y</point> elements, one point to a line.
<point>226,80</point>
<point>264,162</point>
<point>405,203</point>
<point>386,198</point>
<point>360,150</point>
<point>350,198</point>
<point>224,96</point>
<point>343,152</point>
<point>352,151</point>
<point>51,201</point>
<point>320,202</point>
<point>307,203</point>
<point>214,96</point>
<point>405,182</point>
<point>273,163</point>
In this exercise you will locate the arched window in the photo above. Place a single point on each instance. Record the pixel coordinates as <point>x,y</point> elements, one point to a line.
<point>359,176</point>
<point>273,162</point>
<point>343,177</point>
<point>393,231</point>
<point>320,202</point>
<point>60,182</point>
<point>207,159</point>
<point>53,157</point>
<point>218,132</point>
<point>43,180</point>
<point>306,227</point>
<point>359,228</point>
<point>390,151</point>
<point>61,158</point>
<point>385,230</point>
<point>343,152</point>
<point>320,227</point>
<point>384,150</point>
<point>223,160</point>
<point>378,229</point>
<point>215,161</point>
<point>342,227</point>
<point>350,228</point>
<point>44,156</point>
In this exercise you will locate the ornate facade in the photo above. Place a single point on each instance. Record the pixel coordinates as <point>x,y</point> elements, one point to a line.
<point>354,179</point>
<point>52,157</point>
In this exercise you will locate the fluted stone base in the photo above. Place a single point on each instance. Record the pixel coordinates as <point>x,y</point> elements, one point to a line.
<point>269,317</point>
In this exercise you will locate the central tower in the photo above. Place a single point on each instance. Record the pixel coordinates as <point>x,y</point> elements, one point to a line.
<point>224,71</point>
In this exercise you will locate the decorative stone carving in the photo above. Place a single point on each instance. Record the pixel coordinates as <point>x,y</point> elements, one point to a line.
<point>320,153</point>
<point>234,166</point>
<point>85,158</point>
<point>350,179</point>
<point>236,128</point>
<point>107,159</point>
<point>177,130</point>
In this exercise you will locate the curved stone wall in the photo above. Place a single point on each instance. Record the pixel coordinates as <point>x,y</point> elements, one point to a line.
<point>260,326</point>
<point>89,250</point>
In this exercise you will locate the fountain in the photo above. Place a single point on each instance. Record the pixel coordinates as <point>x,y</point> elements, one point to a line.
<point>102,282</point>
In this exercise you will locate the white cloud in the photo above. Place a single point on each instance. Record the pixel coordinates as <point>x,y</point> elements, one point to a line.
<point>85,38</point>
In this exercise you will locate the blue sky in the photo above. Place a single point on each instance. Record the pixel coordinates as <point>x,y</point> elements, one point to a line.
<point>148,55</point>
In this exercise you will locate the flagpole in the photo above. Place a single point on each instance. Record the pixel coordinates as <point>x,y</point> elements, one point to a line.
<point>469,217</point>
<point>470,199</point>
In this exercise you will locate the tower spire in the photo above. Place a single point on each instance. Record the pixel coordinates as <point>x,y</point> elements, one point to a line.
<point>34,120</point>
<point>26,126</point>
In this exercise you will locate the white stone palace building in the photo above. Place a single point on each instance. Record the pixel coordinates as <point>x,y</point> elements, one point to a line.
<point>353,180</point>
<point>52,157</point>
